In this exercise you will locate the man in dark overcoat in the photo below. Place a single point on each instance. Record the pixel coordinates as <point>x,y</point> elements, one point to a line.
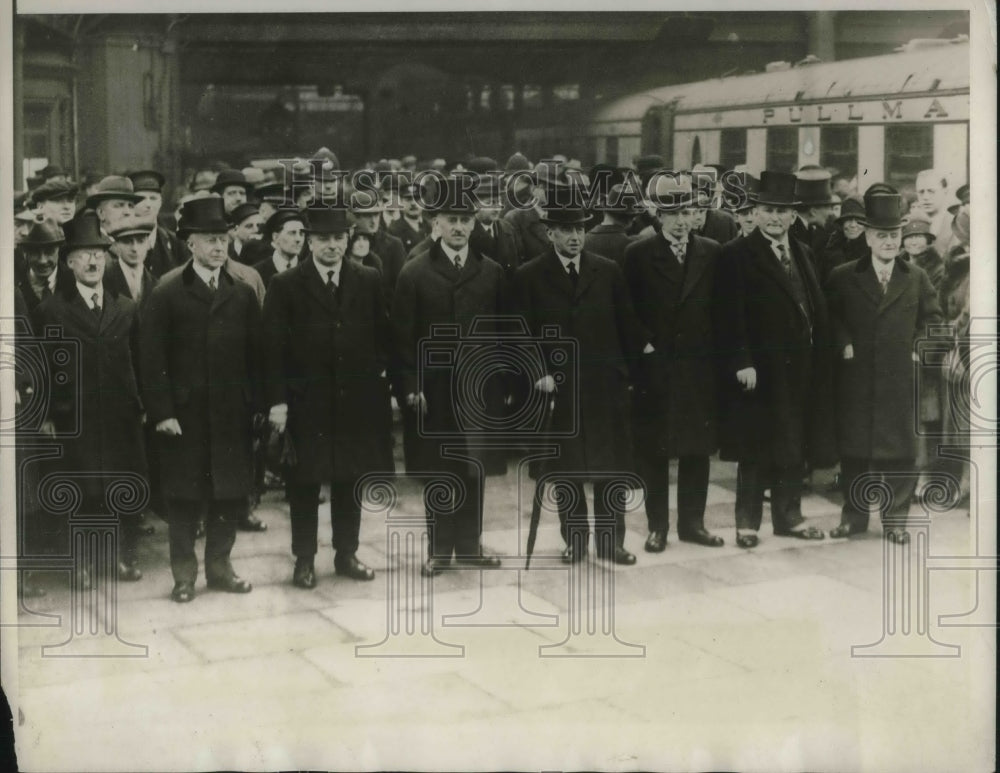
<point>773,340</point>
<point>879,308</point>
<point>585,296</point>
<point>492,235</point>
<point>366,212</point>
<point>670,277</point>
<point>450,284</point>
<point>103,384</point>
<point>815,220</point>
<point>45,272</point>
<point>287,233</point>
<point>526,216</point>
<point>610,237</point>
<point>165,249</point>
<point>326,350</point>
<point>410,228</point>
<point>201,374</point>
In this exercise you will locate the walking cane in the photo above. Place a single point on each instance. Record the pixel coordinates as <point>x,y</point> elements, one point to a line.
<point>536,502</point>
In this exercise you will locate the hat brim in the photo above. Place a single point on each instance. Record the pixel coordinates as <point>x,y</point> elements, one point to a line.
<point>248,187</point>
<point>884,224</point>
<point>67,247</point>
<point>843,218</point>
<point>97,198</point>
<point>70,194</point>
<point>131,232</point>
<point>773,203</point>
<point>818,202</point>
<point>215,227</point>
<point>576,220</point>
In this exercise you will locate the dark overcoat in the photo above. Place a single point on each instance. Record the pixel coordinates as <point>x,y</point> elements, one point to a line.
<point>677,393</point>
<point>101,392</point>
<point>720,226</point>
<point>409,236</point>
<point>201,366</point>
<point>116,283</point>
<point>788,418</point>
<point>391,252</point>
<point>839,250</point>
<point>505,248</point>
<point>325,358</point>
<point>430,292</point>
<point>592,409</point>
<point>609,241</point>
<point>875,389</point>
<point>531,230</point>
<point>167,253</point>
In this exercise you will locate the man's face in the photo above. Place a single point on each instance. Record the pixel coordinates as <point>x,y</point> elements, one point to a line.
<point>87,265</point>
<point>289,240</point>
<point>411,208</point>
<point>929,194</point>
<point>150,205</point>
<point>42,260</point>
<point>367,222</point>
<point>567,239</point>
<point>852,227</point>
<point>111,212</point>
<point>821,216</point>
<point>915,244</point>
<point>455,229</point>
<point>233,196</point>
<point>676,222</point>
<point>842,187</point>
<point>266,209</point>
<point>132,250</point>
<point>884,242</point>
<point>328,249</point>
<point>60,209</point>
<point>488,215</point>
<point>747,218</point>
<point>697,218</point>
<point>774,221</point>
<point>209,250</point>
<point>249,228</point>
<point>21,230</point>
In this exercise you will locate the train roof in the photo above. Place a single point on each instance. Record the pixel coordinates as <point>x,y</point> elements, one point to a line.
<point>939,69</point>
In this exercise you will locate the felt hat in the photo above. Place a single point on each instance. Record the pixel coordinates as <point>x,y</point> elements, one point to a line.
<point>205,214</point>
<point>777,189</point>
<point>113,186</point>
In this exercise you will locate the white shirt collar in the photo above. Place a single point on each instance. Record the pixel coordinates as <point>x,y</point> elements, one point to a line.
<point>775,242</point>
<point>567,261</point>
<point>38,282</point>
<point>281,262</point>
<point>882,268</point>
<point>452,254</point>
<point>324,271</point>
<point>206,274</point>
<point>87,293</point>
<point>673,240</point>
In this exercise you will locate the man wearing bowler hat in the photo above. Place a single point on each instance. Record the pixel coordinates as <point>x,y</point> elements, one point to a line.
<point>45,272</point>
<point>586,297</point>
<point>773,340</point>
<point>879,307</point>
<point>232,186</point>
<point>670,276</point>
<point>165,249</point>
<point>102,385</point>
<point>452,284</point>
<point>201,374</point>
<point>327,344</point>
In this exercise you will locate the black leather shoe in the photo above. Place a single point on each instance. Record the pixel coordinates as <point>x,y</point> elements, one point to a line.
<point>845,530</point>
<point>747,540</point>
<point>128,572</point>
<point>251,522</point>
<point>702,537</point>
<point>231,584</point>
<point>433,566</point>
<point>619,556</point>
<point>183,592</point>
<point>482,561</point>
<point>351,567</point>
<point>304,575</point>
<point>656,542</point>
<point>571,556</point>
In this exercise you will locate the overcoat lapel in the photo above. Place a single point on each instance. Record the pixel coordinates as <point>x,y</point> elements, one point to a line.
<point>315,284</point>
<point>897,284</point>
<point>695,264</point>
<point>556,274</point>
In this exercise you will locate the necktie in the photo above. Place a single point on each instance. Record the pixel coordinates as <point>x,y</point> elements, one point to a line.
<point>211,283</point>
<point>458,262</point>
<point>333,286</point>
<point>679,249</point>
<point>574,277</point>
<point>786,262</point>
<point>46,291</point>
<point>883,278</point>
<point>95,300</point>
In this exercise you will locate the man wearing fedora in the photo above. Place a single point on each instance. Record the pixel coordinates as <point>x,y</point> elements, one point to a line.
<point>366,211</point>
<point>286,230</point>
<point>110,419</point>
<point>327,340</point>
<point>232,186</point>
<point>45,272</point>
<point>773,342</point>
<point>670,277</point>
<point>586,297</point>
<point>410,228</point>
<point>200,380</point>
<point>610,237</point>
<point>879,307</point>
<point>113,198</point>
<point>450,284</point>
<point>165,249</point>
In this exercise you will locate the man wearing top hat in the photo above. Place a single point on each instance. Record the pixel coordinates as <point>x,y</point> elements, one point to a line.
<point>286,230</point>
<point>453,284</point>
<point>45,272</point>
<point>586,297</point>
<point>327,342</point>
<point>610,238</point>
<point>165,249</point>
<point>232,186</point>
<point>773,342</point>
<point>55,201</point>
<point>879,307</point>
<point>815,219</point>
<point>410,228</point>
<point>200,380</point>
<point>366,212</point>
<point>103,385</point>
<point>670,277</point>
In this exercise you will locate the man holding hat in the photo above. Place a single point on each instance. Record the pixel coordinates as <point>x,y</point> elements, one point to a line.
<point>45,271</point>
<point>326,344</point>
<point>586,297</point>
<point>110,411</point>
<point>879,308</point>
<point>772,331</point>
<point>286,229</point>
<point>165,249</point>
<point>410,228</point>
<point>232,186</point>
<point>201,373</point>
<point>454,284</point>
<point>56,201</point>
<point>670,277</point>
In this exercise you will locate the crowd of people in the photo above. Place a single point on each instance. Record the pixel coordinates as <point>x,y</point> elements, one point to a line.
<point>273,326</point>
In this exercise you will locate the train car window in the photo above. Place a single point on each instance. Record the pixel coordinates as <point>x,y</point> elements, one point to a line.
<point>532,96</point>
<point>838,148</point>
<point>732,147</point>
<point>782,148</point>
<point>507,97</point>
<point>908,150</point>
<point>611,151</point>
<point>696,151</point>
